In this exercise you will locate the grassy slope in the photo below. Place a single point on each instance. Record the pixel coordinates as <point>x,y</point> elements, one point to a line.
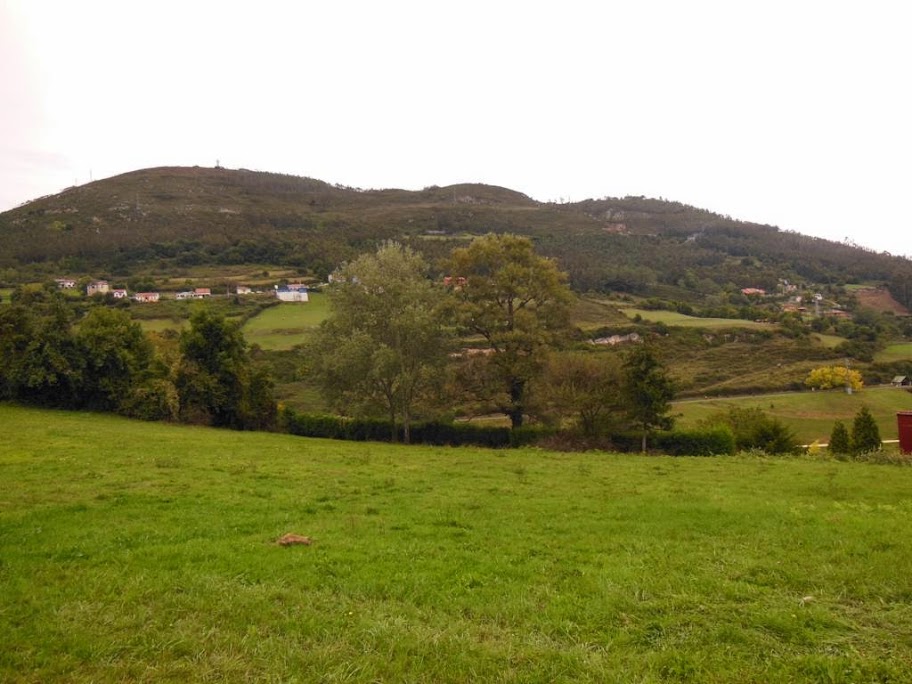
<point>143,552</point>
<point>283,326</point>
<point>682,320</point>
<point>895,352</point>
<point>810,414</point>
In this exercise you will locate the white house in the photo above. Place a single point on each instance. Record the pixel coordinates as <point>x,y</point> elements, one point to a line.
<point>146,297</point>
<point>243,289</point>
<point>287,294</point>
<point>65,283</point>
<point>119,293</point>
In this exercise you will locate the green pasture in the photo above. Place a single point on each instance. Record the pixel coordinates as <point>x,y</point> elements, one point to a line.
<point>678,319</point>
<point>146,552</point>
<point>895,352</point>
<point>590,313</point>
<point>162,324</point>
<point>286,325</point>
<point>810,414</point>
<point>829,341</point>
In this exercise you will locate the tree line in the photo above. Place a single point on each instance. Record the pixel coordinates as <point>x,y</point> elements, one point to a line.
<point>104,361</point>
<point>492,337</point>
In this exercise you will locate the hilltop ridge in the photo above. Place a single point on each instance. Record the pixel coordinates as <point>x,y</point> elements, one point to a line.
<point>192,215</point>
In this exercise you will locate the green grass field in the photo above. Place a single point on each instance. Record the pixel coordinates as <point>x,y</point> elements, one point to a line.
<point>829,341</point>
<point>895,352</point>
<point>810,414</point>
<point>145,552</point>
<point>285,325</point>
<point>675,318</point>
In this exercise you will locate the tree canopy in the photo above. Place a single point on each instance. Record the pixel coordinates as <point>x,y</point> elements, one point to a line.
<point>648,391</point>
<point>519,303</point>
<point>385,339</point>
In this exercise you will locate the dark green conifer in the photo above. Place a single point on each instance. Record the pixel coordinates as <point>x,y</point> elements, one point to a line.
<point>865,433</point>
<point>839,439</point>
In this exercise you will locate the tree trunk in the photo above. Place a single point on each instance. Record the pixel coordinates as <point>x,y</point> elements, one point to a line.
<point>517,390</point>
<point>406,426</point>
<point>394,436</point>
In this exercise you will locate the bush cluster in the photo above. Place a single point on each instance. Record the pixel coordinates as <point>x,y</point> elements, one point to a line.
<point>711,441</point>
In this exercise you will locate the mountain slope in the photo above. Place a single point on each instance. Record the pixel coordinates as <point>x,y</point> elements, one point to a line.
<point>189,216</point>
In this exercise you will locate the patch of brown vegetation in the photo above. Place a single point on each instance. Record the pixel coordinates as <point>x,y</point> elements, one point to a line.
<point>880,299</point>
<point>293,539</point>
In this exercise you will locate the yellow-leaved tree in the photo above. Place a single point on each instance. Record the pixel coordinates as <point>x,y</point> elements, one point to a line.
<point>829,377</point>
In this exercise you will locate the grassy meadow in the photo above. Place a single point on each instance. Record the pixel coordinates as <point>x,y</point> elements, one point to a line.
<point>284,326</point>
<point>895,352</point>
<point>683,320</point>
<point>145,552</point>
<point>810,414</point>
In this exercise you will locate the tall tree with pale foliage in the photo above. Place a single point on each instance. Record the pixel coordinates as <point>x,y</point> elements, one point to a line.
<point>384,341</point>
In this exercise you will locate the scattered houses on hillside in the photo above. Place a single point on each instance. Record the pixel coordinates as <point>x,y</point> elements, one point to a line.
<point>198,293</point>
<point>98,287</point>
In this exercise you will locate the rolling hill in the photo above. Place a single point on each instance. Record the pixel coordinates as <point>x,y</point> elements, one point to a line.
<point>181,217</point>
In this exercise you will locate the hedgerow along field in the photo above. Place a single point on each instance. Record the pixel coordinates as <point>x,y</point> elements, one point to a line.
<point>145,552</point>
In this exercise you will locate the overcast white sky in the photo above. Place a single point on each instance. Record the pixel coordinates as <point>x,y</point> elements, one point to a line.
<point>794,113</point>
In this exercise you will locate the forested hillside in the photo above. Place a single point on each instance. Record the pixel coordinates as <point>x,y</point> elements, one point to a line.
<point>169,217</point>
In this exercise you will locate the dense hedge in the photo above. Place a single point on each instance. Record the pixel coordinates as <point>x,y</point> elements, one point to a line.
<point>714,441</point>
<point>435,433</point>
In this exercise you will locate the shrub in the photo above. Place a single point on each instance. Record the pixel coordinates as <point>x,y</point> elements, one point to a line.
<point>711,441</point>
<point>153,400</point>
<point>753,429</point>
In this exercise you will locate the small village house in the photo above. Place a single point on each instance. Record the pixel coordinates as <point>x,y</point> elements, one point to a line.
<point>146,297</point>
<point>119,293</point>
<point>201,292</point>
<point>98,287</point>
<point>243,290</point>
<point>65,283</point>
<point>901,381</point>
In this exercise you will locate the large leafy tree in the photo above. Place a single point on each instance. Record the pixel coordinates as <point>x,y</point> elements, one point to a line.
<point>648,391</point>
<point>385,341</point>
<point>516,301</point>
<point>40,361</point>
<point>216,382</point>
<point>585,388</point>
<point>116,355</point>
